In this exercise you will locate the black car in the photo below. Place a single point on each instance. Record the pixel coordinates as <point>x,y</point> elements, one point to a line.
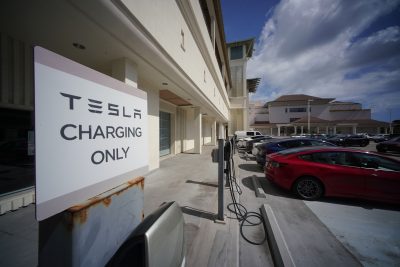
<point>349,140</point>
<point>390,145</point>
<point>282,144</point>
<point>380,138</point>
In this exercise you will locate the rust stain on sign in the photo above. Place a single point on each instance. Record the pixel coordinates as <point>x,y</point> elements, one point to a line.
<point>107,201</point>
<point>80,212</point>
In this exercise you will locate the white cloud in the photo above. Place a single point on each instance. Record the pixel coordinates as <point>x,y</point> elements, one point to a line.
<point>319,47</point>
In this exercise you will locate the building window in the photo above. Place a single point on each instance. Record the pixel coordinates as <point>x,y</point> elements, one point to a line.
<point>206,15</point>
<point>17,150</point>
<point>297,109</point>
<point>165,133</point>
<point>236,52</point>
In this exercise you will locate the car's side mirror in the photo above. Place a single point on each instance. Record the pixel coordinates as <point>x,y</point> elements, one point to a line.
<point>157,241</point>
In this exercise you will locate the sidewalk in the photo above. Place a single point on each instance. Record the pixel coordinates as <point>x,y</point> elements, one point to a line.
<point>191,181</point>
<point>188,179</point>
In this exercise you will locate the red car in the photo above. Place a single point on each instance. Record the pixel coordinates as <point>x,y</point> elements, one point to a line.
<point>312,172</point>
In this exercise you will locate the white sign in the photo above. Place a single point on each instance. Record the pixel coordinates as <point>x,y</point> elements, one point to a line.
<point>91,133</point>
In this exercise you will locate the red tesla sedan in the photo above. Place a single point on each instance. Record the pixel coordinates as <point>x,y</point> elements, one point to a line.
<point>312,172</point>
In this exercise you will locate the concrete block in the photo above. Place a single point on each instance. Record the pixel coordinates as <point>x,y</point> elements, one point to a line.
<point>257,187</point>
<point>279,248</point>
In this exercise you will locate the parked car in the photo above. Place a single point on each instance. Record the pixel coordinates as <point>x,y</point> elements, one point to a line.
<point>349,140</point>
<point>380,138</point>
<point>390,145</point>
<point>247,143</point>
<point>333,171</point>
<point>319,136</point>
<point>241,143</point>
<point>282,144</point>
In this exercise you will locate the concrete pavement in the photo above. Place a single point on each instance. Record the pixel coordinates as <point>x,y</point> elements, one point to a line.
<point>191,181</point>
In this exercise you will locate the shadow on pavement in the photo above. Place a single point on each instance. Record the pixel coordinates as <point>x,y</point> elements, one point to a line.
<point>198,213</point>
<point>201,183</point>
<point>248,183</point>
<point>252,167</point>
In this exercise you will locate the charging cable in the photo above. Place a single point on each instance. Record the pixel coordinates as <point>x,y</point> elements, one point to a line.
<point>242,215</point>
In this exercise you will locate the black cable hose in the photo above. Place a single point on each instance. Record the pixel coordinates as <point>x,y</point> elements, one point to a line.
<point>238,209</point>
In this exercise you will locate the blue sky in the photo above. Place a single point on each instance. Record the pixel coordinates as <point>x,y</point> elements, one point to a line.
<point>345,49</point>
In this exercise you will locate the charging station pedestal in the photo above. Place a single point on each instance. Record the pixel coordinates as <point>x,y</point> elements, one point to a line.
<point>90,233</point>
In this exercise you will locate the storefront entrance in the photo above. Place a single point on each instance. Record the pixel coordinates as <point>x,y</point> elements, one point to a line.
<point>165,133</point>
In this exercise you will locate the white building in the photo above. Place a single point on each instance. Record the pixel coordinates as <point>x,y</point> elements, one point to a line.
<point>239,53</point>
<point>299,114</point>
<point>173,50</point>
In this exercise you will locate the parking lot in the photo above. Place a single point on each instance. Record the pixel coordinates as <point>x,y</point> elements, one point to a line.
<point>368,230</point>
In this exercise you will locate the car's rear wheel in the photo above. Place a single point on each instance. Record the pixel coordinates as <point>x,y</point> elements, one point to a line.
<point>308,188</point>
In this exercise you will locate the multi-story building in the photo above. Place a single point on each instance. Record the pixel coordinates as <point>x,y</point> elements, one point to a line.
<point>175,51</point>
<point>300,114</point>
<point>239,53</point>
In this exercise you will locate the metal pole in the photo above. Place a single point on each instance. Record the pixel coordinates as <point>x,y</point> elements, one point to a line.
<point>308,113</point>
<point>220,179</point>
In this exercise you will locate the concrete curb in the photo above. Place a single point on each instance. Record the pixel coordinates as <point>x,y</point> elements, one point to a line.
<point>276,241</point>
<point>257,188</point>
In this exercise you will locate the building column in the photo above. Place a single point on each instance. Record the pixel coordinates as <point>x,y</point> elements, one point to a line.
<point>295,130</point>
<point>279,130</point>
<point>214,132</point>
<point>197,130</point>
<point>317,130</point>
<point>334,129</point>
<point>354,129</point>
<point>221,130</point>
<point>302,130</point>
<point>386,130</point>
<point>245,118</point>
<point>125,70</point>
<point>326,130</point>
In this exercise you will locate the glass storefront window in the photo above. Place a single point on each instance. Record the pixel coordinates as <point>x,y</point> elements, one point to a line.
<point>17,154</point>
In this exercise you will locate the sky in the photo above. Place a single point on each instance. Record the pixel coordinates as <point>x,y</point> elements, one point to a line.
<point>343,49</point>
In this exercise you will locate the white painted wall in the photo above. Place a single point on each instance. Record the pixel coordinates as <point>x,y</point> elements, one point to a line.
<point>351,115</point>
<point>165,22</point>
<point>261,117</point>
<point>153,106</point>
<point>189,131</point>
<point>206,131</point>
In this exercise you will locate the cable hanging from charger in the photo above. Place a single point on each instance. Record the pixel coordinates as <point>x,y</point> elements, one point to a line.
<point>235,207</point>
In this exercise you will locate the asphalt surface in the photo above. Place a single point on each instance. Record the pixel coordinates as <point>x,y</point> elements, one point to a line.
<point>369,231</point>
